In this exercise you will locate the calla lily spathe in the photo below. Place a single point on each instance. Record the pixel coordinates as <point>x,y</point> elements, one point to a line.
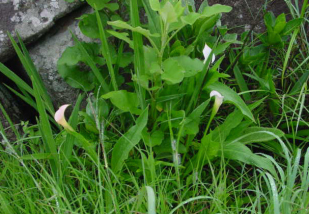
<point>60,118</point>
<point>218,99</point>
<point>206,51</point>
<point>218,102</point>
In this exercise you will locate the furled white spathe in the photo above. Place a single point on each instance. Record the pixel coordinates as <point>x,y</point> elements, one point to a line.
<point>218,99</point>
<point>206,51</point>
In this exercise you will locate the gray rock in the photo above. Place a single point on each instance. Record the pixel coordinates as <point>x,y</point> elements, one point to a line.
<point>46,52</point>
<point>31,18</point>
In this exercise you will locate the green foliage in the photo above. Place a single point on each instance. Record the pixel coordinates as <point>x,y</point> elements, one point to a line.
<point>152,138</point>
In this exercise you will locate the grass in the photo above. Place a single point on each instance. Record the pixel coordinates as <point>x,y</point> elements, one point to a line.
<point>154,144</point>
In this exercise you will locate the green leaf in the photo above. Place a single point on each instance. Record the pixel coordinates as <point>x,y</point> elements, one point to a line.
<point>232,97</point>
<point>223,131</point>
<point>37,156</point>
<point>128,141</point>
<point>155,139</point>
<point>207,150</point>
<point>155,5</point>
<point>88,24</point>
<point>168,13</point>
<point>122,36</point>
<point>191,66</point>
<point>173,72</point>
<point>126,101</point>
<point>124,25</point>
<point>240,152</point>
<point>190,18</point>
<point>269,20</point>
<point>216,9</point>
<point>100,4</point>
<point>299,84</point>
<point>280,23</point>
<point>70,71</point>
<point>192,122</point>
<point>259,134</point>
<point>97,108</point>
<point>241,83</point>
<point>291,25</point>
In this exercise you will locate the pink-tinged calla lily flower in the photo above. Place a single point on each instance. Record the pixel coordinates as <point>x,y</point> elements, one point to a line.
<point>206,51</point>
<point>218,99</point>
<point>60,118</point>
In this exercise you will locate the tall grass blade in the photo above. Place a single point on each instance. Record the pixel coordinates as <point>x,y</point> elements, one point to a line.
<point>139,61</point>
<point>46,130</point>
<point>106,52</point>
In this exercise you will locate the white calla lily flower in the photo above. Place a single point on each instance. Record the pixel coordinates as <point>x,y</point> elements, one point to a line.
<point>218,102</point>
<point>206,51</point>
<point>218,98</point>
<point>60,118</point>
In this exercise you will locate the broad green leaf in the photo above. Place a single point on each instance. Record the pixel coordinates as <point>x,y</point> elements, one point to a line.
<point>151,58</point>
<point>192,122</point>
<point>154,139</point>
<point>122,36</point>
<point>280,23</point>
<point>70,71</point>
<point>222,132</point>
<point>291,25</point>
<point>191,66</point>
<point>88,24</point>
<point>190,18</point>
<point>240,152</point>
<point>269,20</point>
<point>128,141</point>
<point>155,5</point>
<point>213,76</point>
<point>173,71</point>
<point>97,108</point>
<point>253,54</point>
<point>124,25</point>
<point>258,134</point>
<point>232,97</point>
<point>126,101</point>
<point>168,13</point>
<point>208,148</point>
<point>231,38</point>
<point>216,9</point>
<point>273,37</point>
